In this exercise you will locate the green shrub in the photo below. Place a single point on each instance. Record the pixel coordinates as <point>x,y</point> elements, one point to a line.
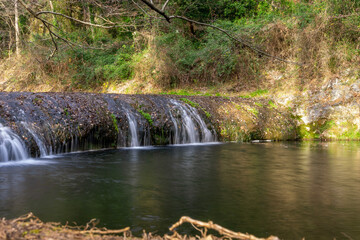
<point>94,67</point>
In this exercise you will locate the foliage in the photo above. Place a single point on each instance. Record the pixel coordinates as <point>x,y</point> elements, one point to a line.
<point>322,35</point>
<point>93,67</point>
<point>211,58</point>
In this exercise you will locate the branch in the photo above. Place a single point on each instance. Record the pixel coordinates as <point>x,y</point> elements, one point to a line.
<point>103,232</point>
<point>140,8</point>
<point>223,231</point>
<point>242,41</point>
<point>152,6</point>
<point>74,19</point>
<point>164,6</point>
<point>46,24</point>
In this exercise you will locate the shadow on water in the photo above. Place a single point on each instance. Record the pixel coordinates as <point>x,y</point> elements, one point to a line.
<point>291,190</point>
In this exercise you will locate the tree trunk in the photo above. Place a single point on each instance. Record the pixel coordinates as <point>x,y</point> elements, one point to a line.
<point>53,10</point>
<point>10,40</point>
<point>87,17</point>
<point>17,31</point>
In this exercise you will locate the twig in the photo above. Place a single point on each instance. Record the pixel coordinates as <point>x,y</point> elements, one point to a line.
<point>346,235</point>
<point>103,232</point>
<point>24,218</point>
<point>164,6</point>
<point>223,231</point>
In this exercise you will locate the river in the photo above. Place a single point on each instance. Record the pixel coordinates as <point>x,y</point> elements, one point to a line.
<point>288,189</point>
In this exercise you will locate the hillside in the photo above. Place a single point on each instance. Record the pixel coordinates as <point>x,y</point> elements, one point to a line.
<point>297,54</point>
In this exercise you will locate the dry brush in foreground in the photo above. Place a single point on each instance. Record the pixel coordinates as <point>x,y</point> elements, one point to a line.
<point>31,227</point>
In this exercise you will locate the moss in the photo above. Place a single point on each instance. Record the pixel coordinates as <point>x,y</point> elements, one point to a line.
<point>272,104</point>
<point>257,93</point>
<point>208,115</point>
<point>344,131</point>
<point>325,129</point>
<point>308,132</point>
<point>230,131</point>
<point>254,111</point>
<point>147,116</point>
<point>66,111</point>
<point>115,123</point>
<point>160,138</point>
<point>191,103</point>
<point>37,100</point>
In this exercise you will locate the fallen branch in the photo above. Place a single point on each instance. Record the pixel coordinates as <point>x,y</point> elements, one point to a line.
<point>221,230</point>
<point>103,232</point>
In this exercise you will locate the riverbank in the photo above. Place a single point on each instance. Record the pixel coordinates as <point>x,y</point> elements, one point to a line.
<point>31,227</point>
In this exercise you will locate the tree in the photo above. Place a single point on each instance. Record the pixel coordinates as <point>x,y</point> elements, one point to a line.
<point>106,11</point>
<point>17,31</point>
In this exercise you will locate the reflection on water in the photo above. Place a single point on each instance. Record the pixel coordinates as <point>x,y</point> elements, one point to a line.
<point>291,190</point>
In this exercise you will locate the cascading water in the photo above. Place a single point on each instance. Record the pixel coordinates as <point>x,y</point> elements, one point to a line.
<point>62,123</point>
<point>189,126</point>
<point>40,144</point>
<point>207,136</point>
<point>133,129</point>
<point>11,146</point>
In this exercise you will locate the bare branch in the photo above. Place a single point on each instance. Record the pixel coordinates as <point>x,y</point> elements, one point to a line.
<point>242,41</point>
<point>74,19</point>
<point>153,7</point>
<point>46,24</point>
<point>164,6</point>
<point>140,8</point>
<point>52,34</point>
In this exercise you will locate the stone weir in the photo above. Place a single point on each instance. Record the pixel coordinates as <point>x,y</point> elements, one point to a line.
<point>40,124</point>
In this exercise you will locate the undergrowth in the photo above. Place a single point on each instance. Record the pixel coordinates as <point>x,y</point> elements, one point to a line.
<point>321,37</point>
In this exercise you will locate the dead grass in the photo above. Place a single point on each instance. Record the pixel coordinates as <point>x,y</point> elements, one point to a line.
<point>32,72</point>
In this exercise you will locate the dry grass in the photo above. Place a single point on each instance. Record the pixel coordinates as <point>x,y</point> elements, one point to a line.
<point>326,49</point>
<point>33,72</point>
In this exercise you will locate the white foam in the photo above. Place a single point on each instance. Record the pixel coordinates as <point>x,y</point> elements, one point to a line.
<point>25,162</point>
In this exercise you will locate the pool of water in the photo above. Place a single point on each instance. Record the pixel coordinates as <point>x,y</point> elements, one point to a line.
<point>291,190</point>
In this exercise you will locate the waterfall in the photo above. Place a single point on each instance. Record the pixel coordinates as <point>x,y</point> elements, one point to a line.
<point>11,146</point>
<point>189,126</point>
<point>39,143</point>
<point>207,136</point>
<point>133,129</point>
<point>60,123</point>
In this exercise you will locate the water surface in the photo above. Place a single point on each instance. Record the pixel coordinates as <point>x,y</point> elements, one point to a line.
<point>291,190</point>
